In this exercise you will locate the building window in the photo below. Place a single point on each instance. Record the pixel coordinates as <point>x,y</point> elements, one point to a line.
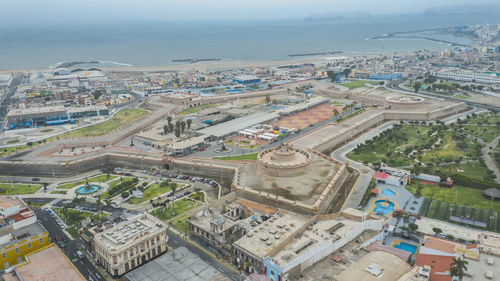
<point>131,253</point>
<point>142,247</point>
<point>125,255</point>
<point>115,260</point>
<point>152,242</point>
<point>29,245</point>
<point>41,241</point>
<point>158,239</point>
<point>17,250</point>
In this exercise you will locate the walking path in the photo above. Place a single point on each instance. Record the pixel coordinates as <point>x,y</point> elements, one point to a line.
<point>490,162</point>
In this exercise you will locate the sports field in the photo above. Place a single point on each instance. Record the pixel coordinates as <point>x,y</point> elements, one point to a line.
<point>308,117</point>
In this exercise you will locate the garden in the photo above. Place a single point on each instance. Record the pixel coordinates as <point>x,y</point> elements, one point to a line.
<point>18,188</point>
<point>181,206</point>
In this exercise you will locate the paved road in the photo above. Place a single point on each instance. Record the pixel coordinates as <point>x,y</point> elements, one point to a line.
<point>175,241</point>
<point>396,85</point>
<point>366,173</point>
<point>86,268</point>
<point>488,160</point>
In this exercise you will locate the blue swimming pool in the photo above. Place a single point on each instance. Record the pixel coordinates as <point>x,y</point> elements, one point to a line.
<point>384,207</point>
<point>407,247</point>
<point>87,189</point>
<point>388,192</point>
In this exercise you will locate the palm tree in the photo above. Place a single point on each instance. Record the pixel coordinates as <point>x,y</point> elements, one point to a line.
<point>189,121</point>
<point>458,268</point>
<point>335,113</point>
<point>183,126</point>
<point>173,186</point>
<point>169,120</point>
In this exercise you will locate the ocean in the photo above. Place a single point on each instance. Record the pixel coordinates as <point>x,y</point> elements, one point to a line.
<point>158,43</point>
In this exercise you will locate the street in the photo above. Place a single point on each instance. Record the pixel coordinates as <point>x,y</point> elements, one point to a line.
<point>86,268</point>
<point>175,241</point>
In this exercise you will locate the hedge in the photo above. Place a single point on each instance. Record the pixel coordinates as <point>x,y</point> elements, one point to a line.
<point>468,181</point>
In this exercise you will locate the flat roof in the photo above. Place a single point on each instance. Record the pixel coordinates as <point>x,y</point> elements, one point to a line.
<point>246,77</point>
<point>37,110</point>
<point>48,264</point>
<point>7,202</point>
<point>177,265</point>
<point>125,232</point>
<point>320,231</point>
<point>263,238</point>
<point>24,233</point>
<point>238,124</point>
<point>392,268</point>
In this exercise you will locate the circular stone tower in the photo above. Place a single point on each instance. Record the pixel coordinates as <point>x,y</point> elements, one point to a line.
<point>284,161</point>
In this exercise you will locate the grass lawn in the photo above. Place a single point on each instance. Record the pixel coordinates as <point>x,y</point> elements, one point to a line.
<point>462,97</point>
<point>200,196</point>
<point>58,192</point>
<point>181,206</point>
<point>193,110</point>
<point>150,192</point>
<point>6,188</point>
<point>359,84</point>
<point>33,204</point>
<point>102,178</point>
<point>463,195</point>
<point>181,223</point>
<point>123,117</point>
<point>73,214</point>
<point>8,150</point>
<point>251,156</point>
<point>73,231</point>
<point>122,179</point>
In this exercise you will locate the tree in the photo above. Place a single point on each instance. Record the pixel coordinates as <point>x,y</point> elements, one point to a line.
<point>169,120</point>
<point>177,133</point>
<point>458,268</point>
<point>165,129</point>
<point>189,121</point>
<point>335,113</point>
<point>347,72</point>
<point>183,126</point>
<point>125,194</point>
<point>173,187</point>
<point>413,227</point>
<point>268,99</point>
<point>417,86</point>
<point>437,230</point>
<point>170,126</point>
<point>332,75</point>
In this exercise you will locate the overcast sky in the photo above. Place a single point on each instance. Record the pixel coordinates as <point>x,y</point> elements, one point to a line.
<point>50,11</point>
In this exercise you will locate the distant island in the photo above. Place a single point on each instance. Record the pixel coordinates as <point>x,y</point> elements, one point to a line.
<point>315,54</point>
<point>194,60</point>
<point>337,16</point>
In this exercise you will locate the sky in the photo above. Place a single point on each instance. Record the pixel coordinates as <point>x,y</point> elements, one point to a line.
<point>14,12</point>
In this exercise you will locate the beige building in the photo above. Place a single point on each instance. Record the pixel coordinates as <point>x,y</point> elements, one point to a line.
<point>130,243</point>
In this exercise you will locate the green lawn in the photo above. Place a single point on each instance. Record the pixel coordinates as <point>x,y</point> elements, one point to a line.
<point>6,188</point>
<point>200,196</point>
<point>251,156</point>
<point>74,215</point>
<point>359,84</point>
<point>73,231</point>
<point>58,192</point>
<point>444,150</point>
<point>123,117</point>
<point>150,192</point>
<point>193,110</point>
<point>463,195</point>
<point>102,178</point>
<point>9,150</point>
<point>181,206</point>
<point>181,223</point>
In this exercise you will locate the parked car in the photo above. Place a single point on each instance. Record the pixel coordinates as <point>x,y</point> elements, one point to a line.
<point>62,244</point>
<point>35,179</point>
<point>203,148</point>
<point>80,254</point>
<point>187,192</point>
<point>127,174</point>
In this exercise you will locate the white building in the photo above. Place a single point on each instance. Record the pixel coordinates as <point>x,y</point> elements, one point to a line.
<point>464,76</point>
<point>130,243</point>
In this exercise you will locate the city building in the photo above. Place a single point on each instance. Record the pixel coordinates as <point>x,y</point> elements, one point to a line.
<point>318,238</point>
<point>467,76</point>
<point>47,263</point>
<point>130,244</point>
<point>5,80</point>
<point>20,233</point>
<point>376,266</point>
<point>246,80</point>
<point>181,99</point>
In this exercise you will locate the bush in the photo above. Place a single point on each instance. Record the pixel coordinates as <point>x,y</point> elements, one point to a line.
<point>125,194</point>
<point>468,181</point>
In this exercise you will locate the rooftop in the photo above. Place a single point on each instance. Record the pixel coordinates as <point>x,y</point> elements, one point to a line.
<point>179,264</point>
<point>226,128</point>
<point>263,238</point>
<point>312,236</point>
<point>377,265</point>
<point>24,233</point>
<point>47,264</point>
<point>126,232</point>
<point>440,266</point>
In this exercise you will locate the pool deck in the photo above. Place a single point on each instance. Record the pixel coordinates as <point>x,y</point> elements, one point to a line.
<point>403,199</point>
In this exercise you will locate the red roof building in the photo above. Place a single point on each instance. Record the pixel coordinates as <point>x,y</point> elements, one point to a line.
<point>440,266</point>
<point>381,175</point>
